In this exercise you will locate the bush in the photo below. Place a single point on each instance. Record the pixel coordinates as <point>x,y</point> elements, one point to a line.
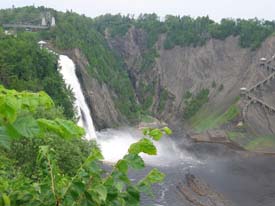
<point>195,103</point>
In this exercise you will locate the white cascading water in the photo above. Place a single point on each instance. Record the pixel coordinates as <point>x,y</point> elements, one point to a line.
<point>114,144</point>
<point>67,70</point>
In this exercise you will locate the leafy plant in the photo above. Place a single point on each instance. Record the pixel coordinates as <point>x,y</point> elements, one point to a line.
<point>90,185</point>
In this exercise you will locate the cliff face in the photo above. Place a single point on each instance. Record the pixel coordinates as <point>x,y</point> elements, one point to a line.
<point>183,69</point>
<point>98,96</point>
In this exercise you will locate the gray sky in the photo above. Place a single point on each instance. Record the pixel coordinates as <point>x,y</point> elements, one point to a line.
<point>216,9</point>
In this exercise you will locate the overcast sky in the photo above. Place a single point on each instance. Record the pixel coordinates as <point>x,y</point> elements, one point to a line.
<point>216,9</point>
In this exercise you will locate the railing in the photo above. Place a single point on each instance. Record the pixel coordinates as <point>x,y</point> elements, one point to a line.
<point>263,82</point>
<point>28,26</point>
<point>254,99</point>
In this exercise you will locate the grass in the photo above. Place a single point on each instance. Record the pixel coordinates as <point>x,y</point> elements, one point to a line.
<point>235,136</point>
<point>147,119</point>
<point>204,121</point>
<point>262,142</point>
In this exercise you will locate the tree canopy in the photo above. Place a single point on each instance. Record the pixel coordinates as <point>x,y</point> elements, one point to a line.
<point>25,66</point>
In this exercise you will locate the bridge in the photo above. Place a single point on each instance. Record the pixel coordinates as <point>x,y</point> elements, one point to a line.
<point>255,100</point>
<point>24,26</point>
<point>47,21</point>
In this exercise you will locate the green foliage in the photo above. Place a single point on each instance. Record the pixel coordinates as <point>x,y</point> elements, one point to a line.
<point>147,92</point>
<point>164,94</point>
<point>187,95</point>
<point>148,60</point>
<point>261,143</point>
<point>186,31</point>
<point>16,116</point>
<point>114,25</point>
<point>147,118</point>
<point>207,121</point>
<point>253,32</point>
<point>34,170</point>
<point>24,66</point>
<point>153,27</point>
<point>195,103</point>
<point>236,135</point>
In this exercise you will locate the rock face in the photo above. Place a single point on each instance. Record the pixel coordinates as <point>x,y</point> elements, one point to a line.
<point>98,96</point>
<point>197,193</point>
<point>183,69</point>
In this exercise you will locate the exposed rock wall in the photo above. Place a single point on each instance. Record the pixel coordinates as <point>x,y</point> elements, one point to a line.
<point>98,96</point>
<point>184,69</point>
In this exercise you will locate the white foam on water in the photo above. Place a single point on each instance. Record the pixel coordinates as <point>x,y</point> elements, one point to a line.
<point>114,144</point>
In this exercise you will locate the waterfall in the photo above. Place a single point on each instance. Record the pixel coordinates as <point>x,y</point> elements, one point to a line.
<point>67,70</point>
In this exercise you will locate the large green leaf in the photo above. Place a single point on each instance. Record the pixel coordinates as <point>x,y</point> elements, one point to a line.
<point>156,134</point>
<point>133,196</point>
<point>101,191</point>
<point>13,103</point>
<point>144,145</point>
<point>8,113</point>
<point>64,128</point>
<point>154,176</point>
<point>122,166</point>
<point>95,155</point>
<point>134,161</point>
<point>5,139</point>
<point>6,199</point>
<point>167,130</point>
<point>26,126</point>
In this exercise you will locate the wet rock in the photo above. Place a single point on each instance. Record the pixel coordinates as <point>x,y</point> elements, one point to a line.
<point>197,193</point>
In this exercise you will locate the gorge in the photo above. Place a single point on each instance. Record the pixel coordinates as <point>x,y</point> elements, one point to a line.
<point>178,157</point>
<point>116,75</point>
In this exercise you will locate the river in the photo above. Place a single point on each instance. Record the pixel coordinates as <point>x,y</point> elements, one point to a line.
<point>245,179</point>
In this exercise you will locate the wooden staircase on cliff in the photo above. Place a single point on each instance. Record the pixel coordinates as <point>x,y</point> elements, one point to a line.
<point>252,99</point>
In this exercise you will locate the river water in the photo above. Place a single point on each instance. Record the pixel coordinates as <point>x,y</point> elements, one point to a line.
<point>242,178</point>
